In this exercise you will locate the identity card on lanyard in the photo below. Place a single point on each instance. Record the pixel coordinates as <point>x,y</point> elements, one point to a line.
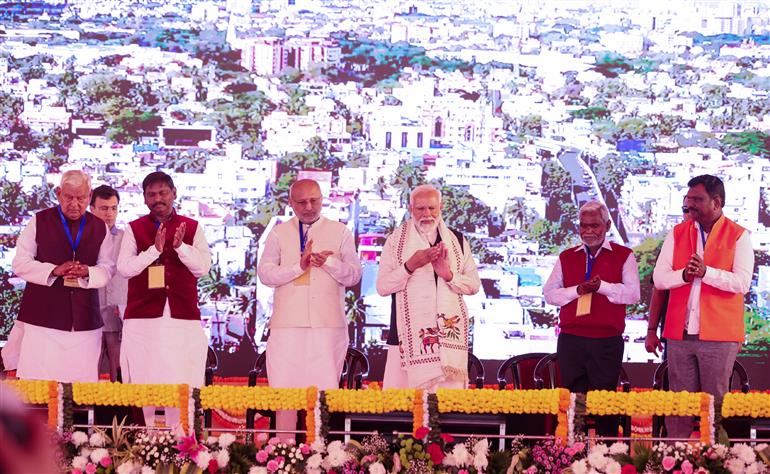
<point>156,273</point>
<point>304,279</point>
<point>72,281</point>
<point>584,301</point>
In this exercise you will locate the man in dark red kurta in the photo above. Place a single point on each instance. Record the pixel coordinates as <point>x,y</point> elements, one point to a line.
<point>163,254</point>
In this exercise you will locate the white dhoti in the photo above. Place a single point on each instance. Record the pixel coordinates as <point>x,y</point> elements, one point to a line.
<point>64,356</point>
<point>163,350</point>
<point>12,348</point>
<point>303,357</point>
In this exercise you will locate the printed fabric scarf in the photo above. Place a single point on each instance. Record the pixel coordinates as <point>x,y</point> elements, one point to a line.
<point>432,319</point>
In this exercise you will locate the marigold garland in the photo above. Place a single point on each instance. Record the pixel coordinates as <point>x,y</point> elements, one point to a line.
<point>418,410</point>
<point>656,402</point>
<point>38,392</point>
<point>312,399</point>
<point>138,395</point>
<point>562,420</point>
<point>752,404</point>
<point>184,407</point>
<point>546,401</point>
<point>371,401</point>
<point>230,397</point>
<point>53,405</point>
<point>707,418</point>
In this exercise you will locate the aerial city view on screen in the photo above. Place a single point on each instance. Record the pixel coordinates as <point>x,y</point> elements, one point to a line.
<point>520,111</point>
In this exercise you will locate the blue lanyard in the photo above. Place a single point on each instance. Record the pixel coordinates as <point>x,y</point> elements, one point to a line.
<point>74,245</point>
<point>302,237</point>
<point>589,263</point>
<point>702,237</point>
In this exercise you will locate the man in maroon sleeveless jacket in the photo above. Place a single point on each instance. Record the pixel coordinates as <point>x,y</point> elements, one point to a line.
<point>163,254</point>
<point>593,283</point>
<point>64,257</point>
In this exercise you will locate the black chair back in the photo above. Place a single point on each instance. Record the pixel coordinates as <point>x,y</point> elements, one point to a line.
<point>475,367</point>
<point>522,370</point>
<point>354,370</point>
<point>212,363</point>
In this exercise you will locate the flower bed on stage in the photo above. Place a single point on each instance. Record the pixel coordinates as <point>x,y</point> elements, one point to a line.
<point>427,450</point>
<point>144,452</point>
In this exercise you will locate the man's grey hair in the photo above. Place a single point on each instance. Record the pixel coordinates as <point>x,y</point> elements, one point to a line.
<point>595,206</point>
<point>75,178</point>
<point>424,188</point>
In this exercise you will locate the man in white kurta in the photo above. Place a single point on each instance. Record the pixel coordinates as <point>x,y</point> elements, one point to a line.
<point>427,268</point>
<point>170,345</point>
<point>309,260</point>
<point>62,328</point>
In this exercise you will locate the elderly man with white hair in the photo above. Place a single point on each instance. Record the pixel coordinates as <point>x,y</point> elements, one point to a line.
<point>427,268</point>
<point>64,257</point>
<point>592,283</point>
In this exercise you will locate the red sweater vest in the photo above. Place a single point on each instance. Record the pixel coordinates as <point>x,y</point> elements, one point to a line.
<point>181,285</point>
<point>58,306</point>
<point>606,319</point>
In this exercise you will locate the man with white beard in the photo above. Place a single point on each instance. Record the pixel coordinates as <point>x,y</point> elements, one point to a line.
<point>427,267</point>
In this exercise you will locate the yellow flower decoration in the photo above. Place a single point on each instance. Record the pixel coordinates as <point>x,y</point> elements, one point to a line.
<point>36,392</point>
<point>547,401</point>
<point>752,404</point>
<point>655,402</point>
<point>370,401</point>
<point>136,395</point>
<point>230,397</point>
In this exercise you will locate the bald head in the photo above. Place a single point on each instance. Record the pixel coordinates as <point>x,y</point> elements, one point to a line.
<point>306,200</point>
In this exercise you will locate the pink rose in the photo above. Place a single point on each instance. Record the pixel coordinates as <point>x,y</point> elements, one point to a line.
<point>421,432</point>
<point>463,471</point>
<point>76,471</point>
<point>272,466</point>
<point>687,467</point>
<point>304,449</point>
<point>106,461</point>
<point>436,453</point>
<point>90,468</point>
<point>577,447</point>
<point>261,456</point>
<point>668,463</point>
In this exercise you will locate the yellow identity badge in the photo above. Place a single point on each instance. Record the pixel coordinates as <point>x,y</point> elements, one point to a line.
<point>156,276</point>
<point>304,279</point>
<point>584,304</point>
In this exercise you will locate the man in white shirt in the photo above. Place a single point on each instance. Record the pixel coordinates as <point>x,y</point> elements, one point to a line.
<point>427,268</point>
<point>592,284</point>
<point>163,254</point>
<point>112,298</point>
<point>706,264</point>
<point>309,260</point>
<point>64,257</point>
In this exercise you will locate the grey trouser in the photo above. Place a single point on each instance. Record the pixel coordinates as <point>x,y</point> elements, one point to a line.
<point>698,366</point>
